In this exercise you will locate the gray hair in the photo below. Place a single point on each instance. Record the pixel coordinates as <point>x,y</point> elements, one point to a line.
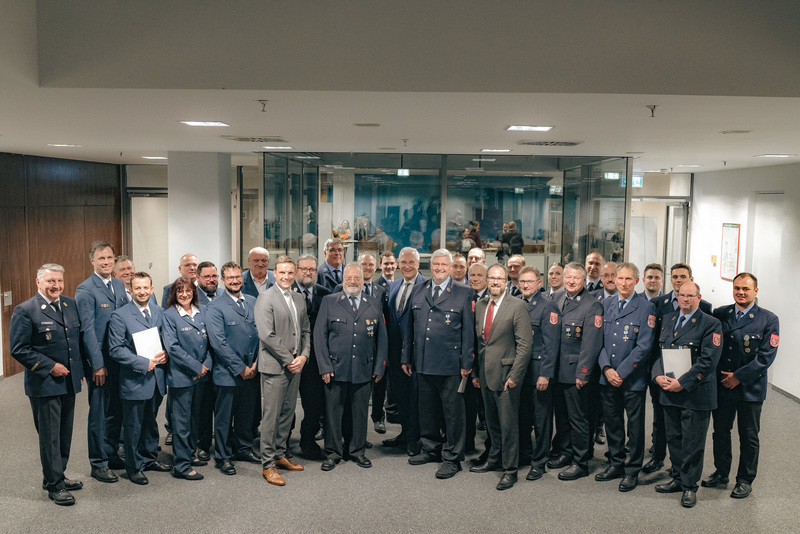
<point>627,265</point>
<point>576,266</point>
<point>478,250</point>
<point>307,257</point>
<point>409,250</point>
<point>353,265</point>
<point>479,266</point>
<point>442,253</point>
<point>48,267</point>
<point>258,250</point>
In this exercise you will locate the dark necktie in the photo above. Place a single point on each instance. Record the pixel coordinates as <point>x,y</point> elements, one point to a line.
<point>681,322</point>
<point>567,300</point>
<point>436,292</point>
<point>240,302</point>
<point>621,305</point>
<point>56,307</point>
<point>337,276</point>
<point>739,315</point>
<point>403,297</point>
<point>367,288</point>
<point>487,326</point>
<point>307,296</point>
<point>590,286</point>
<point>146,315</point>
<point>354,303</point>
<point>110,287</point>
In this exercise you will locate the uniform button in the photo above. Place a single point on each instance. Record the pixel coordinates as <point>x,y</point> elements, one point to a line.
<point>426,339</point>
<point>429,329</point>
<point>429,320</point>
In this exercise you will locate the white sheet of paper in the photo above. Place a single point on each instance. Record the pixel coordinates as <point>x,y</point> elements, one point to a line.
<point>676,361</point>
<point>462,387</point>
<point>147,342</point>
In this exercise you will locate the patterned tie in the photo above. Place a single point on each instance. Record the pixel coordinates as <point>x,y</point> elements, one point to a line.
<point>354,303</point>
<point>487,326</point>
<point>146,313</point>
<point>403,296</point>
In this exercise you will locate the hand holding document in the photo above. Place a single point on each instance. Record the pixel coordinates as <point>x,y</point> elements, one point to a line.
<point>147,343</point>
<point>677,362</point>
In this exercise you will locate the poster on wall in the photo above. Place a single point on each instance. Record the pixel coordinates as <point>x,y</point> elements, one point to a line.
<point>729,257</point>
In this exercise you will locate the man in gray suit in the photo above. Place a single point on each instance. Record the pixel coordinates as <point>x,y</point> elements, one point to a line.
<point>285,334</point>
<point>503,331</point>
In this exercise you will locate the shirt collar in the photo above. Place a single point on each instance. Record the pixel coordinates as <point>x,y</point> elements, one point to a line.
<point>184,313</point>
<point>235,299</point>
<point>47,300</point>
<point>498,300</point>
<point>746,310</point>
<point>689,315</point>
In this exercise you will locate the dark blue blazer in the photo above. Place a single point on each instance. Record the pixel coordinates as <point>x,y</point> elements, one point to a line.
<point>664,305</point>
<point>96,303</point>
<point>628,339</point>
<point>546,329</point>
<point>202,298</point>
<point>326,278</point>
<point>440,336</point>
<point>703,335</point>
<point>396,322</point>
<point>233,336</point>
<point>749,348</point>
<point>186,341</point>
<point>249,285</point>
<point>378,291</point>
<point>581,336</point>
<point>135,381</point>
<point>41,338</point>
<point>350,344</point>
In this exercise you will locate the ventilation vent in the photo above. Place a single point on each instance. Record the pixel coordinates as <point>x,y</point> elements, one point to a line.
<point>549,143</point>
<point>266,139</point>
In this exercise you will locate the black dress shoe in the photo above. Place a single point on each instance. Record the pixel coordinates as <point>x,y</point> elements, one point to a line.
<point>485,468</point>
<point>397,441</point>
<point>741,490</point>
<point>413,449</point>
<point>535,473</point>
<point>197,462</point>
<point>116,463</point>
<point>61,497</point>
<point>168,439</point>
<point>673,486</point>
<point>716,479</point>
<point>573,472</point>
<point>652,466</point>
<point>203,455</point>
<point>367,445</point>
<point>187,476</point>
<point>628,483</point>
<point>104,474</point>
<point>380,427</point>
<point>226,467</point>
<point>158,466</point>
<point>561,461</point>
<point>611,473</point>
<point>448,470</point>
<point>319,435</point>
<point>599,438</point>
<point>423,458</point>
<point>247,457</point>
<point>311,454</point>
<point>363,461</point>
<point>688,499</point>
<point>507,481</point>
<point>138,478</point>
<point>329,464</point>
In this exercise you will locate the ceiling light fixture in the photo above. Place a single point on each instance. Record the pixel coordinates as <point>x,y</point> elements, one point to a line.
<point>775,156</point>
<point>484,159</point>
<point>522,128</point>
<point>688,165</point>
<point>63,145</point>
<point>306,157</point>
<point>204,123</point>
<point>726,132</point>
<point>278,147</point>
<point>496,150</point>
<point>154,157</point>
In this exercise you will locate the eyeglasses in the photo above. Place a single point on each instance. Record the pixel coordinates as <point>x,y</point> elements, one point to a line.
<point>307,269</point>
<point>209,276</point>
<point>496,279</point>
<point>337,250</point>
<point>526,282</point>
<point>686,296</point>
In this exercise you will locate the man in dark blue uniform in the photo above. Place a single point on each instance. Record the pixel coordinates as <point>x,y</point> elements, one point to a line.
<point>187,268</point>
<point>750,343</point>
<point>689,398</point>
<point>350,341</point>
<point>536,403</point>
<point>628,335</point>
<point>97,297</point>
<point>45,339</point>
<point>581,342</point>
<point>329,273</point>
<point>439,343</point>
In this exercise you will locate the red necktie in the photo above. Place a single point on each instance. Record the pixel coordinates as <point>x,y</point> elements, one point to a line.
<point>487,327</point>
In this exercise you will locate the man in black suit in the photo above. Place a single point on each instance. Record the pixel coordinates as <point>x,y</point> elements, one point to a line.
<point>45,338</point>
<point>473,403</point>
<point>594,268</point>
<point>312,393</point>
<point>330,272</point>
<point>653,281</point>
<point>689,398</point>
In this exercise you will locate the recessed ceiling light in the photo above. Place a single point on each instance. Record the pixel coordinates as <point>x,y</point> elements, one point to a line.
<point>387,148</point>
<point>306,157</point>
<point>495,150</point>
<point>278,147</point>
<point>634,153</point>
<point>726,132</point>
<point>776,156</point>
<point>204,123</point>
<point>366,124</point>
<point>64,145</point>
<point>154,157</point>
<point>522,128</point>
<point>688,165</point>
<point>484,159</point>
<point>651,170</point>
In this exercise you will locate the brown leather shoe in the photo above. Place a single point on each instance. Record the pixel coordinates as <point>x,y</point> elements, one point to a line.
<point>273,477</point>
<point>285,463</point>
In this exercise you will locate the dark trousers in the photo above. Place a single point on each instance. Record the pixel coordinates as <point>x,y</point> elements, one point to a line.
<point>471,396</point>
<point>440,405</point>
<point>52,417</point>
<point>355,397</point>
<point>502,423</point>
<point>140,431</point>
<point>104,422</point>
<point>233,419</point>
<point>748,423</point>
<point>686,439</point>
<point>535,413</point>
<point>616,403</point>
<point>580,430</point>
<point>659,429</point>
<point>312,397</point>
<point>185,417</point>
<point>561,440</point>
<point>205,413</point>
<point>378,398</point>
<point>407,398</point>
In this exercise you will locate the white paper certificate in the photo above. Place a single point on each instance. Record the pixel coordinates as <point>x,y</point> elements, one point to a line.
<point>147,342</point>
<point>677,362</point>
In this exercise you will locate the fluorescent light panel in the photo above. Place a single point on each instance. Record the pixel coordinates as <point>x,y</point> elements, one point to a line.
<point>523,128</point>
<point>204,123</point>
<point>278,147</point>
<point>64,145</point>
<point>154,157</point>
<point>495,150</point>
<point>775,156</point>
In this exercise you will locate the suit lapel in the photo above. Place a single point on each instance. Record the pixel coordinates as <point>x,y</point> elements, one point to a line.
<point>137,314</point>
<point>48,310</point>
<point>499,314</point>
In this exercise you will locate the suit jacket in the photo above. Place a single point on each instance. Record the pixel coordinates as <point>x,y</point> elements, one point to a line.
<point>233,338</point>
<point>41,338</point>
<point>513,290</point>
<point>319,292</point>
<point>277,333</point>
<point>325,276</point>
<point>628,339</point>
<point>384,283</point>
<point>749,348</point>
<point>135,381</point>
<point>545,322</point>
<point>249,285</point>
<point>186,342</point>
<point>508,350</point>
<point>351,344</point>
<point>396,322</point>
<point>581,336</point>
<point>439,336</point>
<point>703,335</point>
<point>96,303</point>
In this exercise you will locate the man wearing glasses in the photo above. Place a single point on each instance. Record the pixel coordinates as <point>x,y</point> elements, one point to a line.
<point>207,282</point>
<point>330,272</point>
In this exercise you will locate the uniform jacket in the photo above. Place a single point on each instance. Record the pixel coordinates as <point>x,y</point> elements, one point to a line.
<point>277,333</point>
<point>703,335</point>
<point>203,299</point>
<point>135,381</point>
<point>96,303</point>
<point>508,350</point>
<point>378,291</point>
<point>664,305</point>
<point>325,276</point>
<point>351,344</point>
<point>186,342</point>
<point>749,347</point>
<point>396,322</point>
<point>41,338</point>
<point>628,339</point>
<point>233,338</point>
<point>546,332</point>
<point>440,336</point>
<point>249,285</point>
<point>581,336</point>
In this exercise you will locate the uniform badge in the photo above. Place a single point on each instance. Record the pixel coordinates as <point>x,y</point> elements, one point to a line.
<point>773,340</point>
<point>716,339</point>
<point>598,321</point>
<point>651,321</point>
<point>554,318</point>
<point>584,370</point>
<point>447,319</point>
<point>48,335</point>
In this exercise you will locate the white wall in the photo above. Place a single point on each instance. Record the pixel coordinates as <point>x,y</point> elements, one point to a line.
<point>729,197</point>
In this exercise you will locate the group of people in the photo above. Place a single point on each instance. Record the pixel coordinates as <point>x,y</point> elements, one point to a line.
<point>431,354</point>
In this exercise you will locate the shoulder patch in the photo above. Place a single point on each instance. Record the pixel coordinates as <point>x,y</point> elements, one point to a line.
<point>598,321</point>
<point>716,339</point>
<point>651,321</point>
<point>554,319</point>
<point>773,340</point>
